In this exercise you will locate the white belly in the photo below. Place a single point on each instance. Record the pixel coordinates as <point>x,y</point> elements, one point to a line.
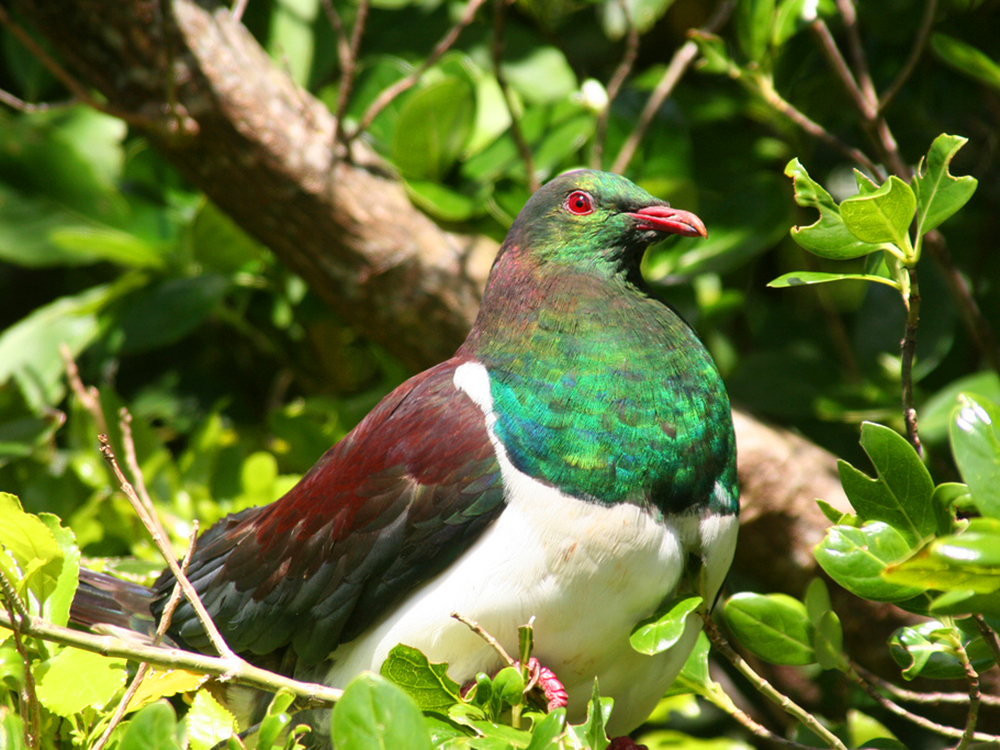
<point>586,573</point>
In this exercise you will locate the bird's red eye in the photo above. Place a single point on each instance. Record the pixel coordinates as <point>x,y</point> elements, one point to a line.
<point>580,203</point>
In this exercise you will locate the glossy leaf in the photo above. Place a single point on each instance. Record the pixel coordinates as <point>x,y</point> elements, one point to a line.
<point>924,651</point>
<point>817,600</point>
<point>935,414</point>
<point>374,714</point>
<point>939,194</point>
<point>828,642</point>
<point>965,602</point>
<point>967,59</point>
<point>434,125</point>
<point>775,627</point>
<point>975,443</point>
<point>209,723</point>
<point>829,236</point>
<point>276,720</point>
<point>856,557</point>
<point>426,683</point>
<point>808,278</point>
<point>591,734</point>
<point>152,728</point>
<point>545,734</point>
<point>901,493</point>
<point>881,216</point>
<point>660,632</point>
<point>442,202</point>
<point>754,23</point>
<point>64,691</point>
<point>968,561</point>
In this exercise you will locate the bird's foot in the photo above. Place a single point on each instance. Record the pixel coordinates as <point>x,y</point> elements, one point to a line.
<point>545,680</point>
<point>625,743</point>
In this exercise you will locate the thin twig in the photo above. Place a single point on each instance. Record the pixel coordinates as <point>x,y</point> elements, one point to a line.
<point>386,96</point>
<point>990,637</point>
<point>239,7</point>
<point>476,628</point>
<point>908,349</point>
<point>615,84</point>
<point>718,697</point>
<point>790,707</point>
<point>850,16</point>
<point>523,148</point>
<point>919,45</point>
<point>972,682</point>
<point>163,544</point>
<point>90,398</point>
<point>33,727</point>
<point>128,444</point>
<point>29,108</point>
<point>679,63</point>
<point>830,49</point>
<point>348,66</point>
<point>865,683</point>
<point>913,696</point>
<point>140,675</point>
<point>239,672</point>
<point>67,80</point>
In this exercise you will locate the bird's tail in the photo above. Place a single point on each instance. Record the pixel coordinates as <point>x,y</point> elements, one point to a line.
<point>107,604</point>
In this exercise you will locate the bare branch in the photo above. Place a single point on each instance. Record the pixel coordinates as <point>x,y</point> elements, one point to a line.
<point>679,63</point>
<point>239,672</point>
<point>615,84</point>
<point>348,65</point>
<point>515,124</point>
<point>919,44</point>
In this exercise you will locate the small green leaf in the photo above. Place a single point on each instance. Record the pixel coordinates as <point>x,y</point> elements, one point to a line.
<point>966,602</point>
<point>966,59</point>
<point>545,734</point>
<point>939,194</point>
<point>374,714</point>
<point>828,237</point>
<point>152,728</point>
<point>426,683</point>
<point>63,691</point>
<point>808,278</point>
<point>441,201</point>
<point>661,631</point>
<point>924,650</point>
<point>968,561</point>
<point>882,216</point>
<point>208,723</point>
<point>828,642</point>
<point>901,494</point>
<point>855,558</point>
<point>975,443</point>
<point>276,720</point>
<point>836,516</point>
<point>694,676</point>
<point>591,734</point>
<point>775,627</point>
<point>508,690</point>
<point>714,55</point>
<point>817,600</point>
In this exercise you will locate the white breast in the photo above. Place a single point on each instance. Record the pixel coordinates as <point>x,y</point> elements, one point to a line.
<point>585,572</point>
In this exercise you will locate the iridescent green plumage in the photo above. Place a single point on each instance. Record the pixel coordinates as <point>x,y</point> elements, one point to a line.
<point>640,415</point>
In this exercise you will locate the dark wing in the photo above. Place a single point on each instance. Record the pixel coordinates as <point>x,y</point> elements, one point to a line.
<point>388,507</point>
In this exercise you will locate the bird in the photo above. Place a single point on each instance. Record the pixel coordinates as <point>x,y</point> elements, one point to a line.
<point>572,465</point>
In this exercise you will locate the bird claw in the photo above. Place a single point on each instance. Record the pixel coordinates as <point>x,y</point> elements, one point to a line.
<point>545,679</point>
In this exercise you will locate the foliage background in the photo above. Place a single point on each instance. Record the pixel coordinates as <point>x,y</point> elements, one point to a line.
<point>241,364</point>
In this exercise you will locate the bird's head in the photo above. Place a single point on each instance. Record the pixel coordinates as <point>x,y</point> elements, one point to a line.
<point>595,218</point>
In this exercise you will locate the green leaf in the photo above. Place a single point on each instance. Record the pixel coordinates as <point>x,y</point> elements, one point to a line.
<point>966,59</point>
<point>939,194</point>
<point>967,561</point>
<point>643,13</point>
<point>828,642</point>
<point>591,734</point>
<point>208,723</point>
<point>935,414</point>
<point>966,602</point>
<point>545,734</point>
<point>855,558</point>
<point>807,278</point>
<point>540,73</point>
<point>790,19</point>
<point>901,493</point>
<point>882,216</point>
<point>435,122</point>
<point>427,684</point>
<point>276,720</point>
<point>975,443</point>
<point>39,558</point>
<point>754,27</point>
<point>166,313</point>
<point>61,688</point>
<point>441,201</point>
<point>714,55</point>
<point>374,714</point>
<point>661,631</point>
<point>106,243</point>
<point>152,728</point>
<point>836,516</point>
<point>924,650</point>
<point>694,676</point>
<point>828,237</point>
<point>508,690</point>
<point>292,39</point>
<point>775,627</point>
<point>817,600</point>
